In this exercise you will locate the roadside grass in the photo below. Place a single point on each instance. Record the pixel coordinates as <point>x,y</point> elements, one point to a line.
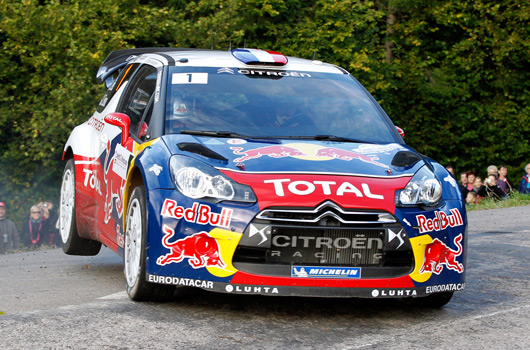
<point>514,200</point>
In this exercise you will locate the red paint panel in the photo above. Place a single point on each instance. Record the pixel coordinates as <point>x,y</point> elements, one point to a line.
<point>247,278</point>
<point>311,190</point>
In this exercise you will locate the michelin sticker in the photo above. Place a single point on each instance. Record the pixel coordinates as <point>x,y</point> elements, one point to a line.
<point>327,272</point>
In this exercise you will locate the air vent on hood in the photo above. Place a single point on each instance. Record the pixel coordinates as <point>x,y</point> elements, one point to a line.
<point>197,148</point>
<point>405,159</point>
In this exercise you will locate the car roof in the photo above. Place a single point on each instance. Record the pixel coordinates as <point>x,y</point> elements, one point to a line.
<point>203,58</point>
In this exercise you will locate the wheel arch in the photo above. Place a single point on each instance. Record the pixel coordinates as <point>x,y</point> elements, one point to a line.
<point>67,153</point>
<point>135,178</point>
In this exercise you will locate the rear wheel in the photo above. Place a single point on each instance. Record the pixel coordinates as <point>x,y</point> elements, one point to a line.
<point>71,242</point>
<point>138,288</point>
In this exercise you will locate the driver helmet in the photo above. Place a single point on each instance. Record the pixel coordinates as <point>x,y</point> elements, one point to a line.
<point>181,112</point>
<point>180,109</point>
<point>284,112</point>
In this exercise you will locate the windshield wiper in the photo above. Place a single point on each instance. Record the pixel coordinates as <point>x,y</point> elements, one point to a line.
<point>338,139</point>
<point>332,138</point>
<point>230,134</point>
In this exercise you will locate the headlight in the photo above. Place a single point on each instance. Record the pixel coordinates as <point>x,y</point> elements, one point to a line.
<point>423,188</point>
<point>196,180</point>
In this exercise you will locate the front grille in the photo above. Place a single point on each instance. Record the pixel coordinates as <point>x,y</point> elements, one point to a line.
<point>328,246</point>
<point>326,235</point>
<point>326,214</point>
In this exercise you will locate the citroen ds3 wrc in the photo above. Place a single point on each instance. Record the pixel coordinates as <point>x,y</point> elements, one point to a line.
<point>251,172</point>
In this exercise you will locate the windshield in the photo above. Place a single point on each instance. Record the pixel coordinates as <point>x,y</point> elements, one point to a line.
<point>272,104</point>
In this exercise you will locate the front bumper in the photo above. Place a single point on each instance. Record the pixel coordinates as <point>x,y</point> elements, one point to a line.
<point>230,248</point>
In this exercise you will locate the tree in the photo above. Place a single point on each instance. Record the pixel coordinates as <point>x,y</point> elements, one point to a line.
<point>48,81</point>
<point>451,73</point>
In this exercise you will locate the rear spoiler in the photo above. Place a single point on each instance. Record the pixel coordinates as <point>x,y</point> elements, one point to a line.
<point>118,59</point>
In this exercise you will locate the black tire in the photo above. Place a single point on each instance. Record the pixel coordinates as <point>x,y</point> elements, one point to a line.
<point>71,242</point>
<point>433,301</point>
<point>135,254</point>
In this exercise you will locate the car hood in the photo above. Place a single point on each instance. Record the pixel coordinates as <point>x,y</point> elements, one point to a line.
<point>301,156</point>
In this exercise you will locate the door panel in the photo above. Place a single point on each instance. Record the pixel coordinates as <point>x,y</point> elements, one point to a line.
<point>133,109</point>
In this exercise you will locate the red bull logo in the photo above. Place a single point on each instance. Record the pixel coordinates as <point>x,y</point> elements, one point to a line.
<point>441,221</point>
<point>304,151</point>
<point>201,249</point>
<point>337,153</point>
<point>275,151</point>
<point>198,213</point>
<point>437,254</point>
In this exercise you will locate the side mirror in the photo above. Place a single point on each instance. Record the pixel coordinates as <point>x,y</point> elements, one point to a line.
<point>121,121</point>
<point>143,130</point>
<point>400,131</point>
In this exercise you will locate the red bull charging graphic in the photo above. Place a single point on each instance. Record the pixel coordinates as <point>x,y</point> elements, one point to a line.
<point>303,151</point>
<point>201,249</point>
<point>270,151</point>
<point>438,255</point>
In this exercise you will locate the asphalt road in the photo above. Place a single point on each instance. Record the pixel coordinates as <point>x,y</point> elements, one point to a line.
<point>55,301</point>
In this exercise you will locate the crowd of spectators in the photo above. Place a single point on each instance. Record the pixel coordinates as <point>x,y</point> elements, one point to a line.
<point>496,184</point>
<point>39,228</point>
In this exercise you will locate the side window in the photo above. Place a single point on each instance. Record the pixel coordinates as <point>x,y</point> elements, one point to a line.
<point>137,99</point>
<point>124,75</point>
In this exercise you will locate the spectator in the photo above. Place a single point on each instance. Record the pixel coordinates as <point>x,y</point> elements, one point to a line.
<point>472,198</point>
<point>524,185</point>
<point>493,191</point>
<point>479,189</point>
<point>463,184</point>
<point>478,186</point>
<point>463,178</point>
<point>492,169</point>
<point>33,232</point>
<point>49,222</point>
<point>9,238</point>
<point>470,180</point>
<point>503,182</point>
<point>450,169</point>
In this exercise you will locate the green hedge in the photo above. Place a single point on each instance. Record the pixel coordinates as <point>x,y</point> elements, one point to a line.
<point>452,74</point>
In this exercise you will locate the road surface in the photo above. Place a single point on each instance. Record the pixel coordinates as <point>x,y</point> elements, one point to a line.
<point>55,301</point>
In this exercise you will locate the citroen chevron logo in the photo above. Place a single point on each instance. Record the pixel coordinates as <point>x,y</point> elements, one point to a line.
<point>263,232</point>
<point>392,235</point>
<point>225,70</point>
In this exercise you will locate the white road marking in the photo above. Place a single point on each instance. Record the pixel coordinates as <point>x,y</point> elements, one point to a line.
<point>478,317</point>
<point>116,296</point>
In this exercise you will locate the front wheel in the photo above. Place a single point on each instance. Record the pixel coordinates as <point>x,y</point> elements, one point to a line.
<point>135,255</point>
<point>71,242</point>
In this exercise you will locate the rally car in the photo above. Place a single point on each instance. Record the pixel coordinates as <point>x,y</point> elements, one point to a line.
<point>250,172</point>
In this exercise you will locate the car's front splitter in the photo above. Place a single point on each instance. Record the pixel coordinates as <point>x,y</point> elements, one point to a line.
<point>378,290</point>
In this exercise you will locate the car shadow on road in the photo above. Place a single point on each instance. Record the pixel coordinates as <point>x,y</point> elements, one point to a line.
<point>285,307</point>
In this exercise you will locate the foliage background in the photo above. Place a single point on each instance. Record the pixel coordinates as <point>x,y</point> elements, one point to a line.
<point>453,74</point>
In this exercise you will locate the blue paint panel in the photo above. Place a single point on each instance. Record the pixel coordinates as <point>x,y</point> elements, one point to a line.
<point>305,156</point>
<point>184,227</point>
<point>416,221</point>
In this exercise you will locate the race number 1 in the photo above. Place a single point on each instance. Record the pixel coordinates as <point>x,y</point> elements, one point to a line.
<point>190,78</point>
